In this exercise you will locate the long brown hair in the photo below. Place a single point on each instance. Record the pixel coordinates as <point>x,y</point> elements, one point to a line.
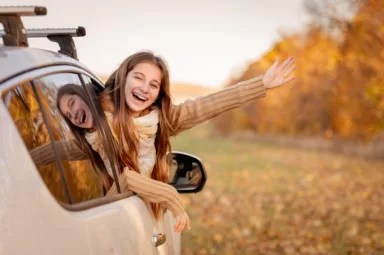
<point>123,124</point>
<point>78,132</point>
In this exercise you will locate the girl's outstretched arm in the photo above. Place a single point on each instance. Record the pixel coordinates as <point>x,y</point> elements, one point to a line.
<point>192,112</point>
<point>155,192</point>
<point>68,150</point>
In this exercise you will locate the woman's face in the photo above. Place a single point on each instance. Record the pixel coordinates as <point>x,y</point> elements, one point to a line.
<point>76,110</point>
<point>142,87</point>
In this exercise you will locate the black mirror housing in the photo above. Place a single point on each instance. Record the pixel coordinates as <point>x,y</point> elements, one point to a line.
<point>187,172</point>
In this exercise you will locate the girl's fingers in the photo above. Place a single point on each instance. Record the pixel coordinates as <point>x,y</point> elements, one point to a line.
<point>275,64</point>
<point>188,224</point>
<point>177,224</point>
<point>182,226</point>
<point>278,74</point>
<point>286,64</point>
<point>181,223</point>
<point>289,79</point>
<point>273,67</point>
<point>289,70</point>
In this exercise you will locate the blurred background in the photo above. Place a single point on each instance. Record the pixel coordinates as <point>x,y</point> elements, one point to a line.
<point>298,172</point>
<point>203,41</point>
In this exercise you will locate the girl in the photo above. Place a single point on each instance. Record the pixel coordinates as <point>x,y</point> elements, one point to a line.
<point>143,117</point>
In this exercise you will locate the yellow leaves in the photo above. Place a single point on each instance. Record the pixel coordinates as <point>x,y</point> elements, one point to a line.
<point>255,222</point>
<point>353,231</point>
<point>371,226</point>
<point>309,177</point>
<point>366,241</point>
<point>224,201</point>
<point>285,201</point>
<point>218,238</point>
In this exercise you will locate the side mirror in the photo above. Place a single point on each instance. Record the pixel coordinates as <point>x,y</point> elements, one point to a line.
<point>187,173</point>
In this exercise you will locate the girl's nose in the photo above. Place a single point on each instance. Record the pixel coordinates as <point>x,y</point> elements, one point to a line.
<point>145,87</point>
<point>73,114</point>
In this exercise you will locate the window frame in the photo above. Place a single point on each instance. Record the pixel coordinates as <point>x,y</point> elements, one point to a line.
<point>35,74</point>
<point>106,134</point>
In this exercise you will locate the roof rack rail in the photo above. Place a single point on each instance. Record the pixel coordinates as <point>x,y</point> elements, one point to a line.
<point>62,36</point>
<point>45,32</point>
<point>13,26</point>
<point>14,33</point>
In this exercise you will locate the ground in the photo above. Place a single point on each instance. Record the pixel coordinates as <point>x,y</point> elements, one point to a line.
<point>268,199</point>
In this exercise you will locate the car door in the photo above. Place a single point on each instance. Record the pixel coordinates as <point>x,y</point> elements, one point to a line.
<point>59,207</point>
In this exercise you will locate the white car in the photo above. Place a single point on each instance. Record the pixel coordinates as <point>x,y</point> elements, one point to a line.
<point>58,206</point>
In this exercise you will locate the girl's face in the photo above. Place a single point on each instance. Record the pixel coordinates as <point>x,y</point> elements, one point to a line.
<point>142,87</point>
<point>76,110</point>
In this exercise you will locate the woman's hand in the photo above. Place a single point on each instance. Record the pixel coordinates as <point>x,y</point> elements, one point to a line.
<point>279,73</point>
<point>155,192</point>
<point>178,211</point>
<point>182,222</point>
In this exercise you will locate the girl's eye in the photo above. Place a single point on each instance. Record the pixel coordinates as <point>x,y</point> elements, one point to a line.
<point>154,85</point>
<point>72,102</point>
<point>138,78</point>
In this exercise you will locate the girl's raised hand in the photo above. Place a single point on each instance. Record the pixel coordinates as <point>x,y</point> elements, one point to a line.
<point>279,73</point>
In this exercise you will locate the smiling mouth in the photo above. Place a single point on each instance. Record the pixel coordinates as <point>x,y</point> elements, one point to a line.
<point>82,118</point>
<point>139,97</point>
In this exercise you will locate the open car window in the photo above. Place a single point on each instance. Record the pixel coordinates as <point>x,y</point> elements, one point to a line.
<point>59,156</point>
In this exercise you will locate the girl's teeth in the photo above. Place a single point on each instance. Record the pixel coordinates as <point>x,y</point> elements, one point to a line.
<point>83,118</point>
<point>140,97</point>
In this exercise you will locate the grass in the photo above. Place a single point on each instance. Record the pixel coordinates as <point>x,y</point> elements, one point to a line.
<point>266,199</point>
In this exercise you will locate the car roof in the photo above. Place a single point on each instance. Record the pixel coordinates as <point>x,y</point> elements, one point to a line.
<point>17,60</point>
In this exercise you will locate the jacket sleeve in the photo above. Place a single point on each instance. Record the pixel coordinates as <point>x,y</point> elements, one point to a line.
<point>150,190</point>
<point>68,150</point>
<point>192,112</point>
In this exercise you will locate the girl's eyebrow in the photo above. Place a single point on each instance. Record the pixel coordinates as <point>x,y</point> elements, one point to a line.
<point>137,72</point>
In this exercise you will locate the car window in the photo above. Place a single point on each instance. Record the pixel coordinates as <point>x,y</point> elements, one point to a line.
<point>71,178</point>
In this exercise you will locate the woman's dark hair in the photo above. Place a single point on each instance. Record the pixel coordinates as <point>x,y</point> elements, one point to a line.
<point>78,132</point>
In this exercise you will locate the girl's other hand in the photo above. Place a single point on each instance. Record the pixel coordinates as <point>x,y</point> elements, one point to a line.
<point>279,73</point>
<point>182,222</point>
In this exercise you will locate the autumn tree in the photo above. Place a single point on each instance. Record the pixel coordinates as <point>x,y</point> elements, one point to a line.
<point>338,89</point>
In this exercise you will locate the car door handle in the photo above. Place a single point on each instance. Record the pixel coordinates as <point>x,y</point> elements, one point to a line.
<point>158,239</point>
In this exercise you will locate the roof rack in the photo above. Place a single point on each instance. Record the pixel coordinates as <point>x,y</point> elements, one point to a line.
<point>10,17</point>
<point>14,33</point>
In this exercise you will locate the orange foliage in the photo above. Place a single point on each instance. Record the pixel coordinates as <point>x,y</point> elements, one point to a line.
<point>338,90</point>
